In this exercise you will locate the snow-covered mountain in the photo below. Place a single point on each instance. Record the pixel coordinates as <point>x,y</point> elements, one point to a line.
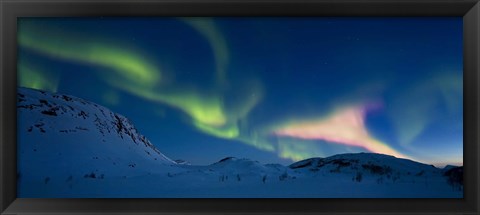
<point>383,167</point>
<point>69,147</point>
<point>62,137</point>
<point>236,170</point>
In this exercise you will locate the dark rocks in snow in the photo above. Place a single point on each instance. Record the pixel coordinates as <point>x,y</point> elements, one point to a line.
<point>358,177</point>
<point>449,167</point>
<point>455,177</point>
<point>226,159</point>
<point>93,175</point>
<point>376,169</point>
<point>341,163</point>
<point>83,114</point>
<point>45,102</point>
<point>124,127</point>
<point>66,98</point>
<point>301,165</point>
<point>81,128</point>
<point>29,106</point>
<point>20,97</point>
<point>420,173</point>
<point>283,176</point>
<point>118,124</point>
<point>182,162</point>
<point>50,112</point>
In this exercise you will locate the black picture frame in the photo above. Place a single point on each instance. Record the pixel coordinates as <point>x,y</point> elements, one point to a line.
<point>10,10</point>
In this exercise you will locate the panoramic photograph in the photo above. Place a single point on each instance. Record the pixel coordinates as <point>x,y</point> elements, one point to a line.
<point>240,107</point>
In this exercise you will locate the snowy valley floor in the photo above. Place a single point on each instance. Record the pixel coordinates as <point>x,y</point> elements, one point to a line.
<point>212,184</point>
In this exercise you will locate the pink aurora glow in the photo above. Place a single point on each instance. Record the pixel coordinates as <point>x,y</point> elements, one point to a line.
<point>345,126</point>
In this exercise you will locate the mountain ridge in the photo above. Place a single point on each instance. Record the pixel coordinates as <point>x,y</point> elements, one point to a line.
<point>56,127</point>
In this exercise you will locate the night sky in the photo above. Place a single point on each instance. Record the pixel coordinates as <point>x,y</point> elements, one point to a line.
<point>276,90</point>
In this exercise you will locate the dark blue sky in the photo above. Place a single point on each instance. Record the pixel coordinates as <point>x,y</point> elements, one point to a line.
<point>270,89</point>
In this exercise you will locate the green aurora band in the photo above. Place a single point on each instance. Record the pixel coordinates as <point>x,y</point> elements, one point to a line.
<point>207,28</point>
<point>35,79</point>
<point>129,71</point>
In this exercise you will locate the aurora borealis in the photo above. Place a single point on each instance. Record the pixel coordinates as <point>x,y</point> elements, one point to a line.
<point>346,126</point>
<point>275,90</point>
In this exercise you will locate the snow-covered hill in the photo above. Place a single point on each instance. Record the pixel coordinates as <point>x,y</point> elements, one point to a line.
<point>233,169</point>
<point>382,167</point>
<point>69,147</point>
<point>63,138</point>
